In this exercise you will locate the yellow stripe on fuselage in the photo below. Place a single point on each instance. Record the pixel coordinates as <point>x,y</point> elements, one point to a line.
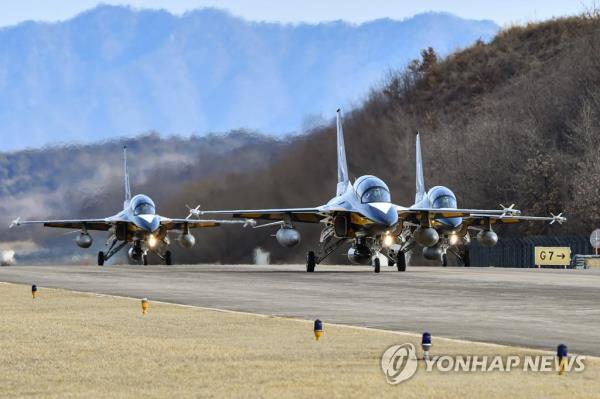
<point>360,220</point>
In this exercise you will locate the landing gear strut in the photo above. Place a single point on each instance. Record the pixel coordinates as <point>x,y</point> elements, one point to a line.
<point>103,257</point>
<point>463,257</point>
<point>328,245</point>
<point>166,257</point>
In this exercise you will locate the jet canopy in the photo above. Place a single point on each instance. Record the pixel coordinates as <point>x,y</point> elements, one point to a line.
<point>142,205</point>
<point>442,197</point>
<point>371,189</point>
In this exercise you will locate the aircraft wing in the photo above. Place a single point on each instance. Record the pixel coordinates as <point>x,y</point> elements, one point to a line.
<point>473,216</point>
<point>484,220</point>
<point>416,214</point>
<point>180,224</point>
<point>307,215</point>
<point>88,224</point>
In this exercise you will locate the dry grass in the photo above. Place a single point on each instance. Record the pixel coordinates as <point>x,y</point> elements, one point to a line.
<point>67,344</point>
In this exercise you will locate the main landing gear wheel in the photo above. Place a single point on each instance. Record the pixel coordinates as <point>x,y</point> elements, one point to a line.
<point>100,258</point>
<point>145,259</point>
<point>377,265</point>
<point>310,262</point>
<point>401,262</point>
<point>168,259</point>
<point>444,260</point>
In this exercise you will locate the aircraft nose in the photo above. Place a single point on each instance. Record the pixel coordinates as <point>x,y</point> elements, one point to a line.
<point>385,214</point>
<point>451,222</point>
<point>150,223</point>
<point>391,218</point>
<point>388,219</point>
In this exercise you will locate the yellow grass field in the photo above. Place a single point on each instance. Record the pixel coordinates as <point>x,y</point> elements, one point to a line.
<point>69,344</point>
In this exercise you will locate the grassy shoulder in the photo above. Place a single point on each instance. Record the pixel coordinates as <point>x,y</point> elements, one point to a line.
<point>68,344</point>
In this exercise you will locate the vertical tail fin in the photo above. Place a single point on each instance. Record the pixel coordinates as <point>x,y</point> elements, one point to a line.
<point>420,189</point>
<point>343,179</point>
<point>126,177</point>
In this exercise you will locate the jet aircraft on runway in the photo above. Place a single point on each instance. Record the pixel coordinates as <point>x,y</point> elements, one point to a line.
<point>137,224</point>
<point>439,235</point>
<point>363,214</point>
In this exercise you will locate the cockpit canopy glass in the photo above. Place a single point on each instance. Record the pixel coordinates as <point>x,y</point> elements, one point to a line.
<point>442,197</point>
<point>144,209</point>
<point>372,189</point>
<point>375,194</point>
<point>142,205</point>
<point>444,201</point>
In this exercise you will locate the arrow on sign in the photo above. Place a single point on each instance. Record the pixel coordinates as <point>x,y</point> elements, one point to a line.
<point>562,256</point>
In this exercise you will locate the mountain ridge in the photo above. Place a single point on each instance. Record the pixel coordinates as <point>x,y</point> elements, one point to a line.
<point>114,71</point>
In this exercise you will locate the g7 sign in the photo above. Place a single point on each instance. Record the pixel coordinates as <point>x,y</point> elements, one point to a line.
<point>552,256</point>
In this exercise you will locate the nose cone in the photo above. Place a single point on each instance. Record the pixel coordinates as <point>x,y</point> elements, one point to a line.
<point>451,223</point>
<point>149,223</point>
<point>391,218</point>
<point>384,214</point>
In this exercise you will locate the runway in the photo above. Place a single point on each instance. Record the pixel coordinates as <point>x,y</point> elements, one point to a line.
<point>521,307</point>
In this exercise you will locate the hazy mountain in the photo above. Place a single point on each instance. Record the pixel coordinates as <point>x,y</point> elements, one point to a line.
<point>115,71</point>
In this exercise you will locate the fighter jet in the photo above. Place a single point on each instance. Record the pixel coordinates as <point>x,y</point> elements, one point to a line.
<point>438,236</point>
<point>137,225</point>
<point>361,213</point>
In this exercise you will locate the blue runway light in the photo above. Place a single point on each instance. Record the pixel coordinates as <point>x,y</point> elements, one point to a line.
<point>426,344</point>
<point>33,291</point>
<point>562,354</point>
<point>318,329</point>
<point>561,351</point>
<point>426,340</point>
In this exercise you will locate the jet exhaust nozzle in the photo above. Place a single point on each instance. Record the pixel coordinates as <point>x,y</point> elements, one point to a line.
<point>426,236</point>
<point>487,238</point>
<point>84,240</point>
<point>187,240</point>
<point>288,237</point>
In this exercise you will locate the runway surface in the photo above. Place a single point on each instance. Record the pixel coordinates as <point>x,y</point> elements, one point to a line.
<point>522,307</point>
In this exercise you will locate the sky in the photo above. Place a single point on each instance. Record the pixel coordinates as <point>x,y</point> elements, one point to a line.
<point>505,12</point>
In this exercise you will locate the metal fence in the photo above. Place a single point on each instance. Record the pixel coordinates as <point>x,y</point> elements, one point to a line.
<point>519,252</point>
